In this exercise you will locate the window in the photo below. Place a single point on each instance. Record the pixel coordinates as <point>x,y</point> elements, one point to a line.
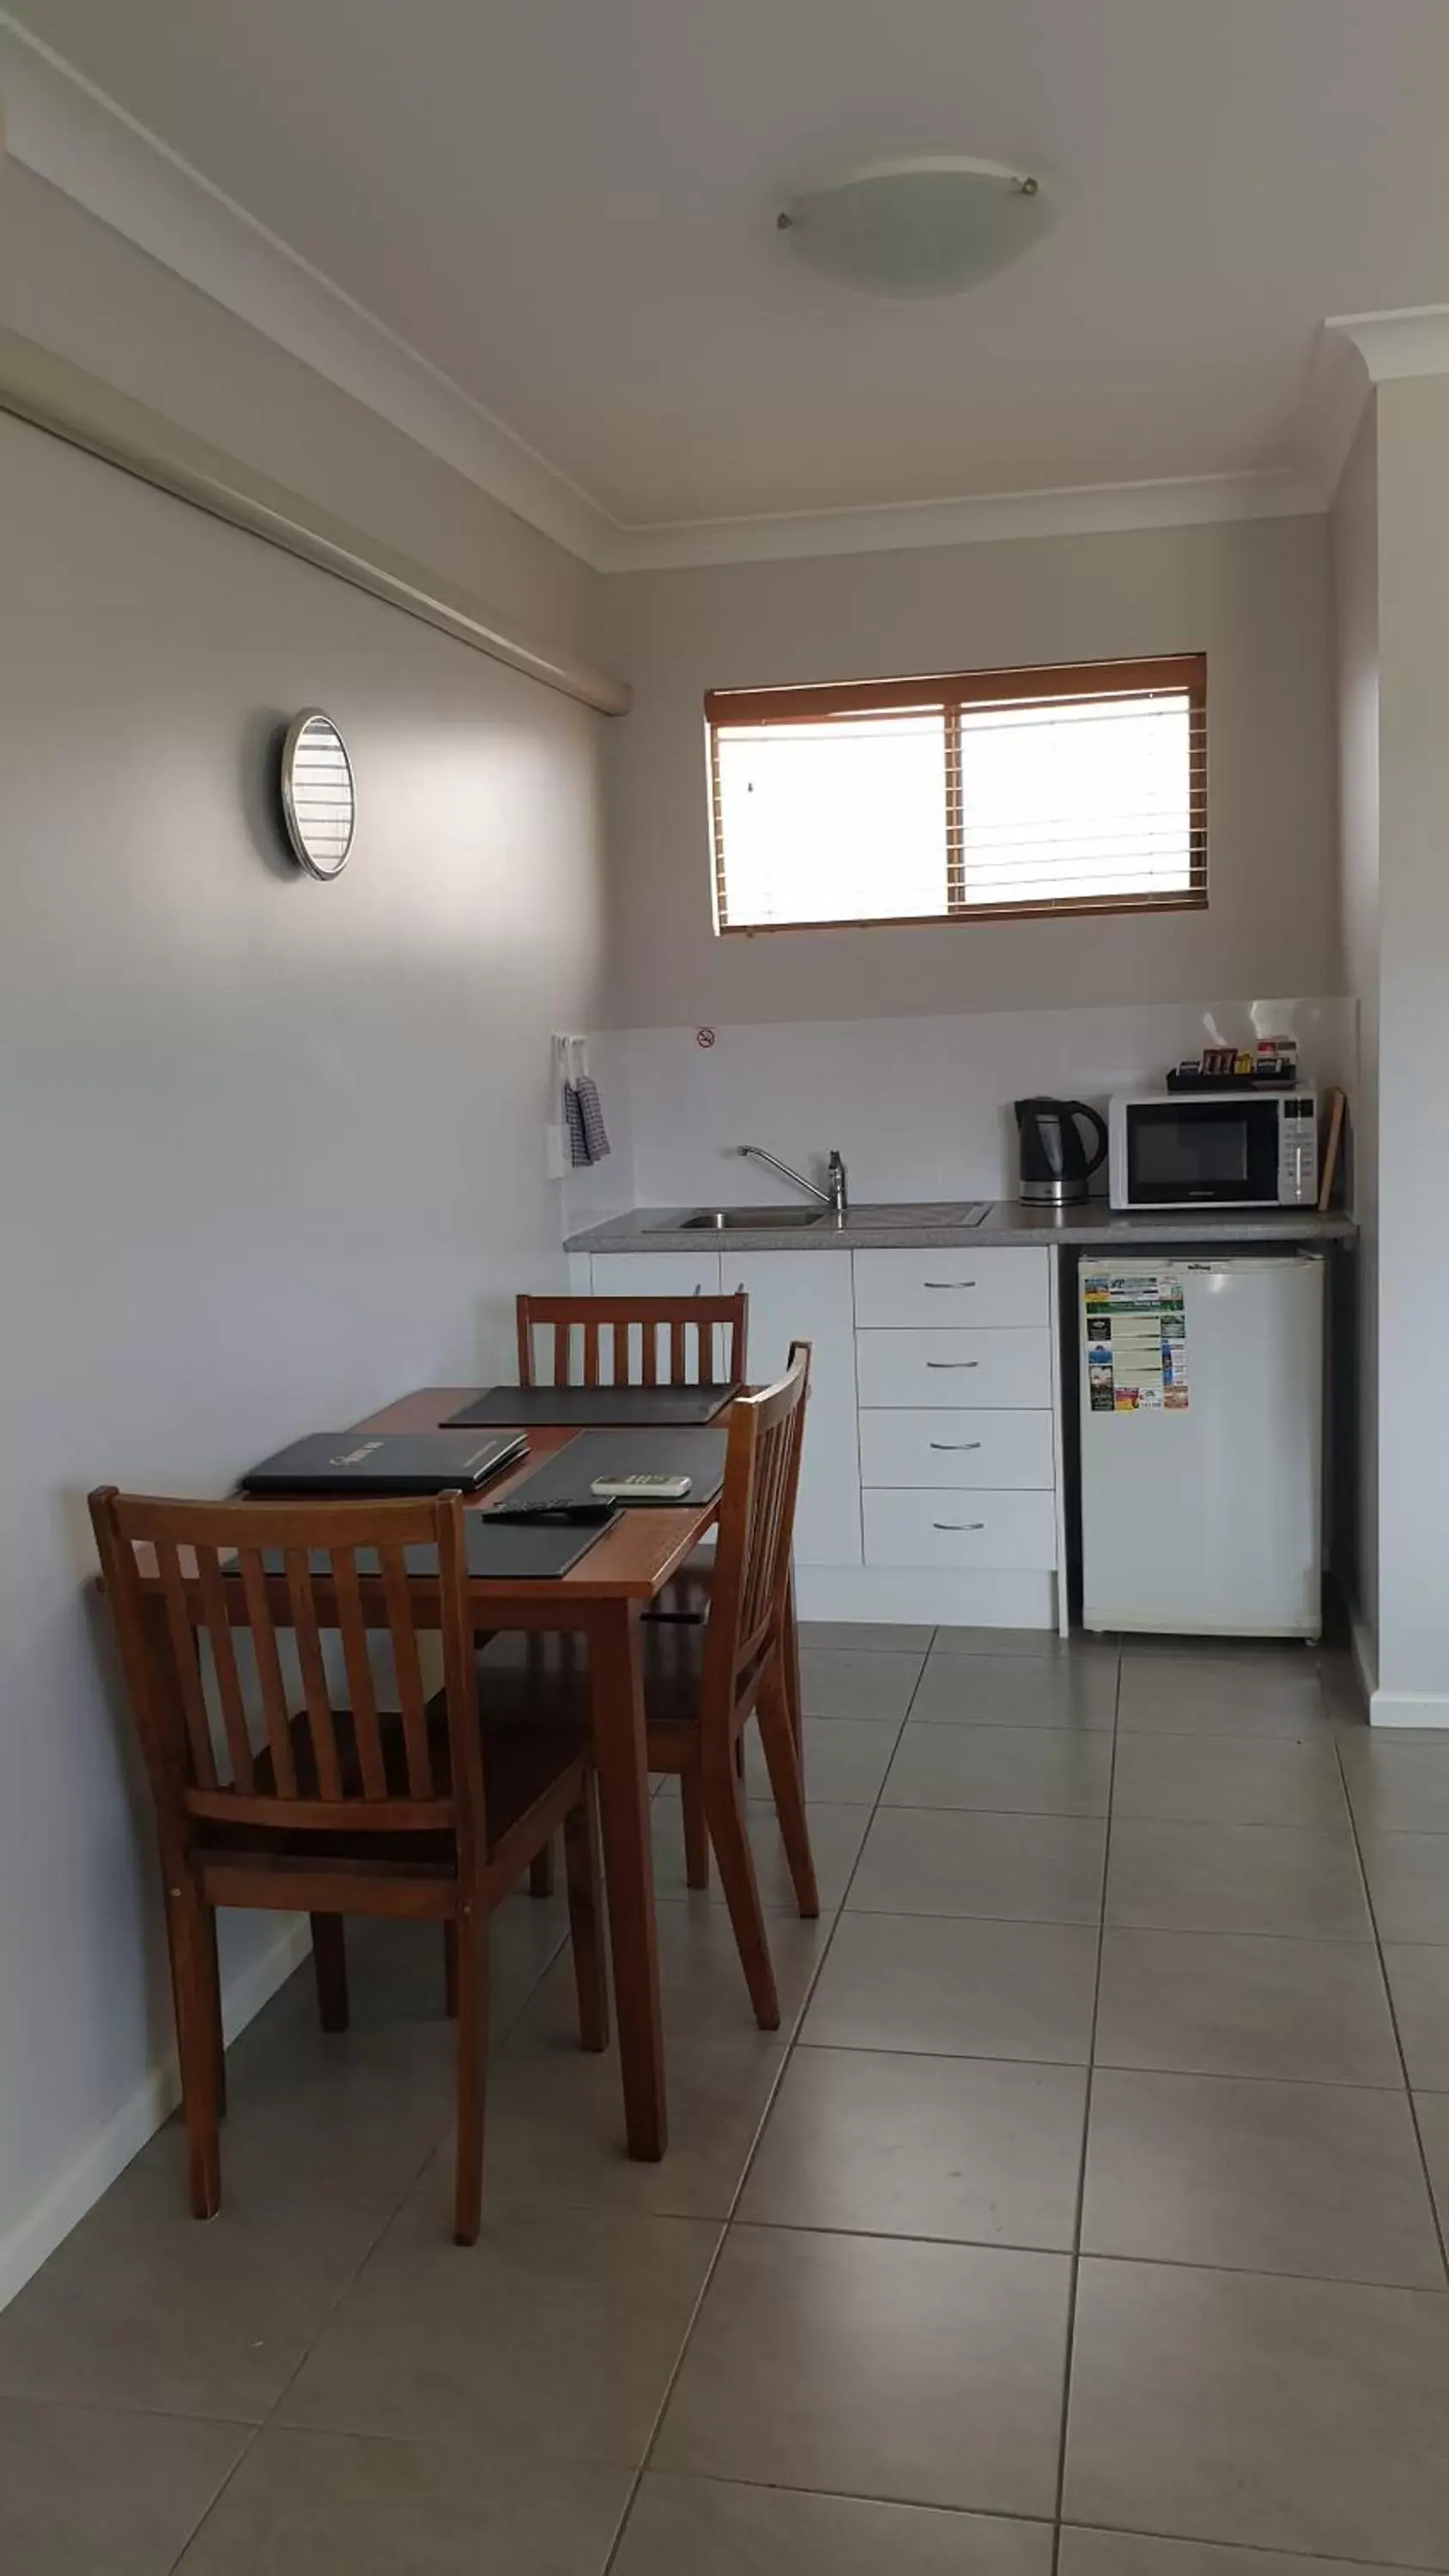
<point>962,797</point>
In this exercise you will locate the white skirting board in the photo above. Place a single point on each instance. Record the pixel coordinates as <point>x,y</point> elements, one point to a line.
<point>77,2188</point>
<point>926,1595</point>
<point>1409,1708</point>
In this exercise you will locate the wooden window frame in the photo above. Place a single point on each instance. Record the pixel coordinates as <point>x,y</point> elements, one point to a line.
<point>1170,673</point>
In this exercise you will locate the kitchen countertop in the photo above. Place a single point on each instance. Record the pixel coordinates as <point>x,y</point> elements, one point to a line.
<point>1089,1228</point>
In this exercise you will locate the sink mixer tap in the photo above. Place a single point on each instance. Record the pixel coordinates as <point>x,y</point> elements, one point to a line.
<point>834,1196</point>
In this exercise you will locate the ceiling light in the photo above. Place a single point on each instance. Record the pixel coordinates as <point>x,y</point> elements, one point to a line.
<point>921,227</point>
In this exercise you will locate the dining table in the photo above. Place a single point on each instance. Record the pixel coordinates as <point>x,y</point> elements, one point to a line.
<point>602,1598</point>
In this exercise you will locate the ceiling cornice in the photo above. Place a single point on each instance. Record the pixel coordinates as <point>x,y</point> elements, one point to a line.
<point>71,134</point>
<point>1355,353</point>
<point>83,143</point>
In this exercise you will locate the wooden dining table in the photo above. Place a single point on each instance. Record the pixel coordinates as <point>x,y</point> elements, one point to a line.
<point>602,1599</point>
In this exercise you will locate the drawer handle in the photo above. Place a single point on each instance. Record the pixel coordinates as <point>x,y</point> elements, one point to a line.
<point>958,1525</point>
<point>950,1364</point>
<point>948,1283</point>
<point>955,1444</point>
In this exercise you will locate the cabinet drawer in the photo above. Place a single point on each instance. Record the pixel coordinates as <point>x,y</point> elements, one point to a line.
<point>1011,1286</point>
<point>923,1448</point>
<point>987,1369</point>
<point>1003,1531</point>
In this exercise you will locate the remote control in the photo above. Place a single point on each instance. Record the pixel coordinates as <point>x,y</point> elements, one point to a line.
<point>641,1488</point>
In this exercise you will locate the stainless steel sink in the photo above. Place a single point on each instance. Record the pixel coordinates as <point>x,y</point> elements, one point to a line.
<point>919,1212</point>
<point>726,1220</point>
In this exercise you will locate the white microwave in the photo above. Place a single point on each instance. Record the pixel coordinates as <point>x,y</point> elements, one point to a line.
<point>1187,1149</point>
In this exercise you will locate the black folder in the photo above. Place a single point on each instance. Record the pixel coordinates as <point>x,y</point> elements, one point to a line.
<point>582,1407</point>
<point>567,1477</point>
<point>383,1462</point>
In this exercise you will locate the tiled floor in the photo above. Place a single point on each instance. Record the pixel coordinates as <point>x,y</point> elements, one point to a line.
<point>1077,2222</point>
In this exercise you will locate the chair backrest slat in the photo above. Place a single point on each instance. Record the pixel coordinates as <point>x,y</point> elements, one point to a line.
<point>188,1671</point>
<point>178,1572</point>
<point>361,1691</point>
<point>756,1533</point>
<point>550,1327</point>
<point>224,1665</point>
<point>269,1671</point>
<point>408,1669</point>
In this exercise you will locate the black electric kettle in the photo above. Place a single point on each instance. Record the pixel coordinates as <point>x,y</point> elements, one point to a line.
<point>1055,1167</point>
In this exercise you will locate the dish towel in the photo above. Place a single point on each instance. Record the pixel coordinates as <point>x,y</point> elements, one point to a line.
<point>583,1111</point>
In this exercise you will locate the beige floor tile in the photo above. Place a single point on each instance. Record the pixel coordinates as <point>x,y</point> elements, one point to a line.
<point>1398,1782</point>
<point>846,1760</point>
<point>1203,1779</point>
<point>1119,2553</point>
<point>1077,1691</point>
<point>865,1636</point>
<point>1236,1878</point>
<point>87,2491</point>
<point>702,1984</point>
<point>1419,1984</point>
<point>926,2374</point>
<point>322,2504</point>
<point>1259,2177</point>
<point>887,2145</point>
<point>956,1989</point>
<point>1267,1694</point>
<point>556,2126</point>
<point>1042,1869</point>
<point>836,1835</point>
<point>142,2306</point>
<point>1036,1642</point>
<point>849,1681</point>
<point>1432,2112</point>
<point>1289,2415</point>
<point>1028,1770</point>
<point>553,2335</point>
<point>1228,2003</point>
<point>1408,1876</point>
<point>716,2529</point>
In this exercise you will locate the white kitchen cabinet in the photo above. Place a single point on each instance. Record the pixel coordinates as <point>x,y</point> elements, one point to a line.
<point>911,1366</point>
<point>987,1286</point>
<point>919,1448</point>
<point>806,1296</point>
<point>990,1533</point>
<point>656,1274</point>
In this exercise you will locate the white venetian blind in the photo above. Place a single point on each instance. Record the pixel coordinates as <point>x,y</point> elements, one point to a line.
<point>976,793</point>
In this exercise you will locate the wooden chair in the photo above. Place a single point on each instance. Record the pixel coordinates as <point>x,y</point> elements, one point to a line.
<point>333,1810</point>
<point>580,1341</point>
<point>605,1328</point>
<point>703,1680</point>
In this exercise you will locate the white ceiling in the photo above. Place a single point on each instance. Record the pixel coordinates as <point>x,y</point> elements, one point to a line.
<point>567,206</point>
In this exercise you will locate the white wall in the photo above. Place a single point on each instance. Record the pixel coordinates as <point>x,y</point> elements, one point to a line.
<point>921,1107</point>
<point>1257,598</point>
<point>272,1150</point>
<point>1413,1210</point>
<point>1357,587</point>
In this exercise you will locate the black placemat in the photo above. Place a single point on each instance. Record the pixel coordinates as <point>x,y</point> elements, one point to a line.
<point>585,1407</point>
<point>498,1551</point>
<point>567,1476</point>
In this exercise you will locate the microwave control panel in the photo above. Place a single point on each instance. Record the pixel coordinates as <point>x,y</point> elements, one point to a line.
<point>1297,1153</point>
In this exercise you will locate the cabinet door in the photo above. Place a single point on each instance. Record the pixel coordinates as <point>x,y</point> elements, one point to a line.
<point>656,1274</point>
<point>806,1296</point>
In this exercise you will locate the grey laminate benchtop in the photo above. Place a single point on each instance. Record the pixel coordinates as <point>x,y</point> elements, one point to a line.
<point>1089,1228</point>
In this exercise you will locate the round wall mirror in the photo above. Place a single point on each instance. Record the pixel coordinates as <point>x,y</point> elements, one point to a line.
<point>319,802</point>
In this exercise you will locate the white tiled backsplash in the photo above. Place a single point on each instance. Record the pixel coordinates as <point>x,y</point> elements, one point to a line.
<point>920,1108</point>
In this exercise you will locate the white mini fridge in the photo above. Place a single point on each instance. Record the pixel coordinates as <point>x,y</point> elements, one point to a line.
<point>1202,1443</point>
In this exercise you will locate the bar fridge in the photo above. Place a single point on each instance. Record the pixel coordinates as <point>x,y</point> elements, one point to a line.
<point>1202,1443</point>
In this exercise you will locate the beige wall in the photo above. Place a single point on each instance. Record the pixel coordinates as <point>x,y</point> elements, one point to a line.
<point>1256,597</point>
<point>273,1150</point>
<point>1356,561</point>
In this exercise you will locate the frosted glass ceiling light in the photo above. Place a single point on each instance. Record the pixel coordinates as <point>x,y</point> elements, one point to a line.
<point>921,227</point>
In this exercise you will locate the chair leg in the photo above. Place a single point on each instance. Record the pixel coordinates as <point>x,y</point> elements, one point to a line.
<point>696,1832</point>
<point>213,1980</point>
<point>725,1811</point>
<point>472,1935</point>
<point>329,1966</point>
<point>540,1872</point>
<point>586,1919</point>
<point>783,1762</point>
<point>190,1936</point>
<point>450,1970</point>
